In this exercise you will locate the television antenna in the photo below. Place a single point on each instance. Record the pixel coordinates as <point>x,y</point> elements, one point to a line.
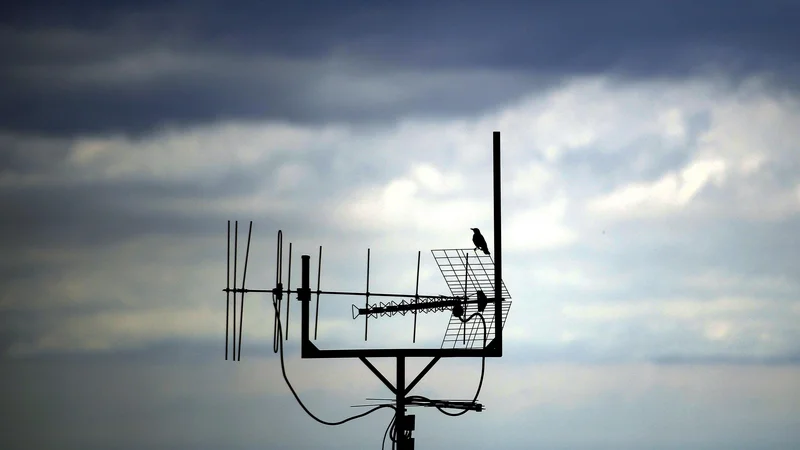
<point>475,283</point>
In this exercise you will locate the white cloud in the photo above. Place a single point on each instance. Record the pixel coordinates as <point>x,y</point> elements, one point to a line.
<point>749,130</point>
<point>672,192</point>
<point>435,181</point>
<point>207,152</point>
<point>539,228</point>
<point>410,202</point>
<point>673,123</point>
<point>718,330</point>
<point>530,181</point>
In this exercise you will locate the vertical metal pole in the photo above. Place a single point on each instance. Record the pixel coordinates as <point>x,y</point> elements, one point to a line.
<point>498,251</point>
<point>399,420</point>
<point>304,296</point>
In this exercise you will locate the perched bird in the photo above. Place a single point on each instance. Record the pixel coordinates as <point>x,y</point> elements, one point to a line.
<point>479,241</point>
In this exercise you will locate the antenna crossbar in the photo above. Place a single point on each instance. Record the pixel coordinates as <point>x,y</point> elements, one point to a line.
<point>294,291</point>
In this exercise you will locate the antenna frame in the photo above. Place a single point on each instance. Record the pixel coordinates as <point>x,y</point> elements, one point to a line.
<point>493,349</point>
<point>403,425</point>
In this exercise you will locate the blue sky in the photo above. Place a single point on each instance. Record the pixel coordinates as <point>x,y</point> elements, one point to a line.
<point>651,212</point>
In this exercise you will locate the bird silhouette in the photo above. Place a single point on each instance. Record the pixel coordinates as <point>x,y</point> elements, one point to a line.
<point>479,241</point>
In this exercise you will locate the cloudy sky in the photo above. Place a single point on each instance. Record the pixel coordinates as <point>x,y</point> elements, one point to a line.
<point>651,212</point>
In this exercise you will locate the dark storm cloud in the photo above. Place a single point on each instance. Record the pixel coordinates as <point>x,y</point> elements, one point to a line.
<point>542,40</point>
<point>30,155</point>
<point>234,89</point>
<point>100,213</point>
<point>67,209</point>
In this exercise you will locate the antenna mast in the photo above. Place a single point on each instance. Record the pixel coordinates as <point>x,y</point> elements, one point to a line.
<point>475,283</point>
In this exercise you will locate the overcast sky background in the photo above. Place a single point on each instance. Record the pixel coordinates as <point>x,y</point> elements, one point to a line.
<point>651,210</point>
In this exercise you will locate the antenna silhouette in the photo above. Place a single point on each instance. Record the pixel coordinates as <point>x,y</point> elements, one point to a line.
<point>474,280</point>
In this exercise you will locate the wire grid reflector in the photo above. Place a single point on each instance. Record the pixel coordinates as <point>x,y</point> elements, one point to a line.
<point>466,272</point>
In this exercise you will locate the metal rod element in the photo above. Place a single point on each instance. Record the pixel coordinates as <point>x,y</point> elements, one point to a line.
<point>244,279</point>
<point>359,294</point>
<point>366,300</point>
<point>289,291</point>
<point>235,259</point>
<point>378,374</point>
<point>227,292</point>
<point>279,262</point>
<point>466,276</point>
<point>416,298</point>
<point>498,248</point>
<point>422,374</point>
<point>277,294</point>
<point>319,273</point>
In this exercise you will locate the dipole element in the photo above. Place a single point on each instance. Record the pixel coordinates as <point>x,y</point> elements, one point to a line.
<point>241,290</point>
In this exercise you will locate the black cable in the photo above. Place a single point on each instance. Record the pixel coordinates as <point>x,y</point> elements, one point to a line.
<point>286,378</point>
<point>383,442</point>
<point>483,371</point>
<point>391,429</point>
<point>393,435</point>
